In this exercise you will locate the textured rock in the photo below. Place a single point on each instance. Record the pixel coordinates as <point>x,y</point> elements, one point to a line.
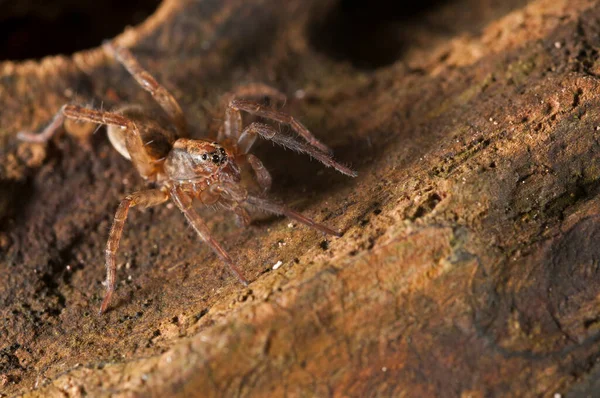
<point>469,266</point>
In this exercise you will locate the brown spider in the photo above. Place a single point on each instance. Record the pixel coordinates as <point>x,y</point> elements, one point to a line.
<point>183,169</point>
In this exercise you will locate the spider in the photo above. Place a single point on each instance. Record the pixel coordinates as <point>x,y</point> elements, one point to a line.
<point>181,169</point>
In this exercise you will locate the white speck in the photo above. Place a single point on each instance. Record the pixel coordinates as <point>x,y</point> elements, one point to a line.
<point>557,44</point>
<point>129,278</point>
<point>290,225</point>
<point>281,243</point>
<point>597,128</point>
<point>557,395</point>
<point>278,264</point>
<point>169,359</point>
<point>170,206</point>
<point>127,265</point>
<point>300,94</point>
<point>68,268</point>
<point>384,369</point>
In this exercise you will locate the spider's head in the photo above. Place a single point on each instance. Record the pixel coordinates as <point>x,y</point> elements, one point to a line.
<point>193,159</point>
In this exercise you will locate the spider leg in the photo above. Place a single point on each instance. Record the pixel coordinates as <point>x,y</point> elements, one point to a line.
<point>254,91</point>
<point>276,208</point>
<point>141,199</point>
<point>254,108</point>
<point>241,215</point>
<point>142,161</point>
<point>233,125</point>
<point>161,95</point>
<point>269,133</point>
<point>262,174</point>
<point>47,133</point>
<point>145,165</point>
<point>234,193</point>
<point>184,203</point>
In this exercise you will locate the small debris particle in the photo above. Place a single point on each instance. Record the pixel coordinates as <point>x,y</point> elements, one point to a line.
<point>291,225</point>
<point>324,245</point>
<point>278,264</point>
<point>384,369</point>
<point>557,44</point>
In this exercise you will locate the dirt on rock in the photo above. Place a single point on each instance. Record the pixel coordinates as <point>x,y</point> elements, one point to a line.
<point>469,262</point>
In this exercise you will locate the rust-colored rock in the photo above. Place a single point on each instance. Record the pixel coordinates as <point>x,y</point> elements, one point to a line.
<point>469,266</point>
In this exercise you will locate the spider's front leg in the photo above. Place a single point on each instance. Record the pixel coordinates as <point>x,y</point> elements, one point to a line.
<point>255,108</point>
<point>267,132</point>
<point>252,91</point>
<point>184,203</point>
<point>143,199</point>
<point>276,208</point>
<point>233,193</point>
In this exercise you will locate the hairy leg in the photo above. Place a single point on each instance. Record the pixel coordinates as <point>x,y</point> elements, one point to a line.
<point>144,164</point>
<point>254,108</point>
<point>48,132</point>
<point>161,95</point>
<point>142,161</point>
<point>275,208</point>
<point>184,203</point>
<point>142,199</point>
<point>262,174</point>
<point>255,91</point>
<point>232,192</point>
<point>269,133</point>
<point>233,124</point>
<point>241,215</point>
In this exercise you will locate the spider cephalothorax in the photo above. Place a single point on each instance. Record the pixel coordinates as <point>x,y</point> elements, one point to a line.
<point>195,159</point>
<point>184,169</point>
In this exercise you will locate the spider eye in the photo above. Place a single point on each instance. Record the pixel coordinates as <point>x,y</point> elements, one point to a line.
<point>204,156</point>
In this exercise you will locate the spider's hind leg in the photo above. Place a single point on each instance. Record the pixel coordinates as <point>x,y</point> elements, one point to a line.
<point>161,95</point>
<point>48,132</point>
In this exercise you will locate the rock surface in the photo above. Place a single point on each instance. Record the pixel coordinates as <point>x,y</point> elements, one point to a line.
<point>469,264</point>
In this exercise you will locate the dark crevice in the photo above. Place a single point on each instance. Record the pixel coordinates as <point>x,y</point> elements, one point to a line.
<point>366,33</point>
<point>37,29</point>
<point>376,33</point>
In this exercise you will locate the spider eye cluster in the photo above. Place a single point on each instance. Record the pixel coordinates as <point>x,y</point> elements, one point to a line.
<point>218,156</point>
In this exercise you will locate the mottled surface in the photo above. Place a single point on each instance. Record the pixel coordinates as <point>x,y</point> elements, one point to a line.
<point>470,262</point>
